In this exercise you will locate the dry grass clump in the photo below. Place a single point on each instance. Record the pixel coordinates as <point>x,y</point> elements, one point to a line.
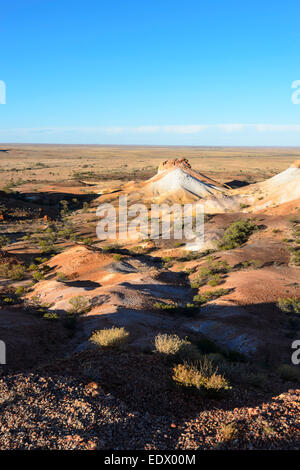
<point>296,164</point>
<point>289,304</point>
<point>229,432</point>
<point>110,337</point>
<point>172,345</point>
<point>201,375</point>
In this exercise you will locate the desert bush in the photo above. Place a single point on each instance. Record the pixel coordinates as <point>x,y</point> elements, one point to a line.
<point>110,337</point>
<point>20,290</point>
<point>209,295</point>
<point>61,277</point>
<point>289,373</point>
<point>51,316</point>
<point>38,276</point>
<point>187,309</point>
<point>289,304</point>
<point>202,375</point>
<point>79,305</point>
<point>215,280</point>
<point>237,234</point>
<point>228,432</point>
<point>211,273</point>
<point>15,272</point>
<point>172,345</point>
<point>117,257</point>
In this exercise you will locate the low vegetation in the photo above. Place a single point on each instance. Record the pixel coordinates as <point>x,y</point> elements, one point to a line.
<point>202,375</point>
<point>173,345</point>
<point>79,305</point>
<point>110,338</point>
<point>289,304</point>
<point>237,234</point>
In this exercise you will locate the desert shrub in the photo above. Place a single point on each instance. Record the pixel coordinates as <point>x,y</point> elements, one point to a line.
<point>289,304</point>
<point>51,316</point>
<point>210,295</point>
<point>228,432</point>
<point>110,248</point>
<point>215,280</point>
<point>79,305</point>
<point>237,234</point>
<point>289,373</point>
<point>169,344</point>
<point>15,272</point>
<point>172,345</point>
<point>162,306</point>
<point>202,375</point>
<point>211,273</point>
<point>61,277</point>
<point>110,337</point>
<point>20,290</point>
<point>38,276</point>
<point>117,257</point>
<point>187,309</point>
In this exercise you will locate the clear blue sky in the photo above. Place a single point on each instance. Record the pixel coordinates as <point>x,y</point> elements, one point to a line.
<point>150,71</point>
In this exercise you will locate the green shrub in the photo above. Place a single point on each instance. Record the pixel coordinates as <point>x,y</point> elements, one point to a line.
<point>20,290</point>
<point>117,257</point>
<point>237,234</point>
<point>210,295</point>
<point>51,316</point>
<point>38,276</point>
<point>110,337</point>
<point>289,305</point>
<point>61,277</point>
<point>15,272</point>
<point>201,375</point>
<point>79,305</point>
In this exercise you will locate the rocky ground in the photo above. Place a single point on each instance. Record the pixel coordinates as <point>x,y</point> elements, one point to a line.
<point>43,411</point>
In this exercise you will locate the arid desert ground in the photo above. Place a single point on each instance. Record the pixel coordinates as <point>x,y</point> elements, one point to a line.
<point>157,343</point>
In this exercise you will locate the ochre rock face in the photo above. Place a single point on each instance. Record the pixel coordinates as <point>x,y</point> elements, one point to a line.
<point>296,164</point>
<point>176,162</point>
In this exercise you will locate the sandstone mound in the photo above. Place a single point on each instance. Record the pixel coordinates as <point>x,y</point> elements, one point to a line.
<point>280,189</point>
<point>176,178</point>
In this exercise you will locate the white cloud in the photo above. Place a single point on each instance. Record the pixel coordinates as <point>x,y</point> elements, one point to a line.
<point>131,130</point>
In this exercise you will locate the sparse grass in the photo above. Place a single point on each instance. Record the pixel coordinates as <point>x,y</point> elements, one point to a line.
<point>110,338</point>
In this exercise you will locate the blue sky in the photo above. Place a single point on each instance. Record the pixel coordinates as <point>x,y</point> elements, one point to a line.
<point>150,72</point>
